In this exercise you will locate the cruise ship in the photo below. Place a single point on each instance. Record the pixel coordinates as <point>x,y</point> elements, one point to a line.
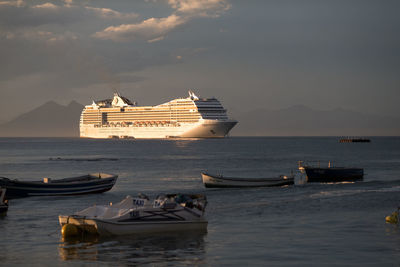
<point>190,117</point>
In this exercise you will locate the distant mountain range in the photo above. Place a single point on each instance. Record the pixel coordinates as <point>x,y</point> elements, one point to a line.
<point>55,120</point>
<point>49,120</point>
<point>300,120</point>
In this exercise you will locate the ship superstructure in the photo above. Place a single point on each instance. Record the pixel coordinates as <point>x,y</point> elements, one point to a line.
<point>190,117</point>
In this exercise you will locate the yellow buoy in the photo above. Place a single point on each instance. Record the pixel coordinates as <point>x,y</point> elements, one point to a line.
<point>69,230</point>
<point>393,218</point>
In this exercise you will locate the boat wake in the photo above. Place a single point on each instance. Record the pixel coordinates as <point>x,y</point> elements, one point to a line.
<point>340,193</point>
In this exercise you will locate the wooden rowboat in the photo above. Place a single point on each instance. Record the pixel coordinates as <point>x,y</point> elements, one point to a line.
<point>219,181</point>
<point>85,184</point>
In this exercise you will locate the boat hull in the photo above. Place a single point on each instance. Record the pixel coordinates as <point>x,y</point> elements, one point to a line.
<point>131,228</point>
<point>3,208</point>
<point>3,203</point>
<point>321,175</point>
<point>19,189</point>
<point>214,181</point>
<point>110,228</point>
<point>203,129</point>
<point>150,221</point>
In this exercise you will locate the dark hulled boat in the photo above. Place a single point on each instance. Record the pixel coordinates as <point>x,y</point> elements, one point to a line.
<point>85,184</point>
<point>331,174</point>
<point>3,202</point>
<point>354,140</point>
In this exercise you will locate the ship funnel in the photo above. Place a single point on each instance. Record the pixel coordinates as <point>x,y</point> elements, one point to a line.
<point>192,95</point>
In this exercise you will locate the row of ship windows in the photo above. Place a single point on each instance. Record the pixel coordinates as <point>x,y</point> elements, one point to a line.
<point>141,115</point>
<point>159,108</point>
<point>165,108</point>
<point>137,122</point>
<point>123,123</point>
<point>158,113</point>
<point>154,114</point>
<point>145,118</point>
<point>141,111</point>
<point>89,120</point>
<point>154,118</point>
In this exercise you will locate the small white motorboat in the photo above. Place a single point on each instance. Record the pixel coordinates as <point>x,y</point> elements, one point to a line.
<point>219,181</point>
<point>3,202</point>
<point>173,212</point>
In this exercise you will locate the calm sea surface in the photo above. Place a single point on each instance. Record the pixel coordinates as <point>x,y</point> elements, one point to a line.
<point>301,225</point>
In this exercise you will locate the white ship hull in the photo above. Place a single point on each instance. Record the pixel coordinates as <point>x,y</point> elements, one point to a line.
<point>201,129</point>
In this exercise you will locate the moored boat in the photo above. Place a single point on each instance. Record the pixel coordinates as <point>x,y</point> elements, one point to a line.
<point>3,201</point>
<point>173,212</point>
<point>354,140</point>
<point>316,173</point>
<point>85,184</point>
<point>219,181</point>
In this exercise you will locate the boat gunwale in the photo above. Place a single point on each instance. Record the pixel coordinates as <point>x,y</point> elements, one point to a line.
<point>332,168</point>
<point>127,223</point>
<point>62,181</point>
<point>85,221</point>
<point>253,180</point>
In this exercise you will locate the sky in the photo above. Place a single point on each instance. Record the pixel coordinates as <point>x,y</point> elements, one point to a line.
<point>266,54</point>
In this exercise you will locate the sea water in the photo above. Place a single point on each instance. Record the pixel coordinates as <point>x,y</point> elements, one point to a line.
<point>315,224</point>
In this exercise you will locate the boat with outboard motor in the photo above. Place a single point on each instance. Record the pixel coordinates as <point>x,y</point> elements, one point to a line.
<point>219,181</point>
<point>138,215</point>
<point>85,184</point>
<point>316,173</point>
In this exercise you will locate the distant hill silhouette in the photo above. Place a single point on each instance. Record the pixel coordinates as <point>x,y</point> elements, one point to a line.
<point>49,120</point>
<point>300,120</point>
<point>55,120</point>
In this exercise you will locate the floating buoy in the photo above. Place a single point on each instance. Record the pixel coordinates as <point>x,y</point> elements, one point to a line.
<point>69,230</point>
<point>393,218</point>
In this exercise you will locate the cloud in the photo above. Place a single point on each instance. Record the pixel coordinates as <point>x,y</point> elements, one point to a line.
<point>27,16</point>
<point>14,14</point>
<point>19,13</point>
<point>155,29</point>
<point>111,14</point>
<point>46,6</point>
<point>39,36</point>
<point>68,2</point>
<point>200,8</point>
<point>18,3</point>
<point>47,46</point>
